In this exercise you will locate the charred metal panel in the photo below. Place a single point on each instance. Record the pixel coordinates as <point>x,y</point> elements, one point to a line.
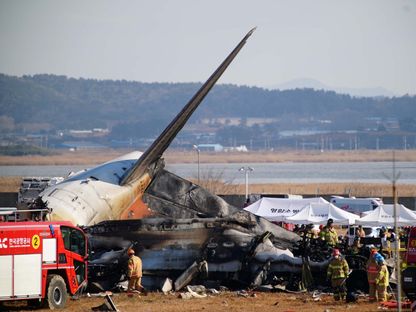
<point>174,191</point>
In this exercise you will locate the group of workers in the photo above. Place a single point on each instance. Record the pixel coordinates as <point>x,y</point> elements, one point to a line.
<point>377,275</point>
<point>338,269</point>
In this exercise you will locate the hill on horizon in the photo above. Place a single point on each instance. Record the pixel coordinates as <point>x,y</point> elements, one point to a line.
<point>59,102</point>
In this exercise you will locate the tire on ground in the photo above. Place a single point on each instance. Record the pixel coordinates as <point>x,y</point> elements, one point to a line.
<point>56,293</point>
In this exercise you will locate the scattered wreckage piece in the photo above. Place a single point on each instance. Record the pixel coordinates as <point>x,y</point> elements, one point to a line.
<point>108,305</point>
<point>190,273</point>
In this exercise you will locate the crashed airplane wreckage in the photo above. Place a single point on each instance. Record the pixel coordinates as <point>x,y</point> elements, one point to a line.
<point>237,249</point>
<point>175,226</point>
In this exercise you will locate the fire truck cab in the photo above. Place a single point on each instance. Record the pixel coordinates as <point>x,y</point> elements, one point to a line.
<point>409,273</point>
<point>42,262</point>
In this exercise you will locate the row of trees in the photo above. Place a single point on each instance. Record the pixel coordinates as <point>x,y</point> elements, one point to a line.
<point>46,103</point>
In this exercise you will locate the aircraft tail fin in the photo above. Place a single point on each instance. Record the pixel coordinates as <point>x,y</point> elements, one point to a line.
<point>159,146</point>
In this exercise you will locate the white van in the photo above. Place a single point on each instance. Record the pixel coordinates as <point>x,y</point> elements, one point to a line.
<point>356,205</point>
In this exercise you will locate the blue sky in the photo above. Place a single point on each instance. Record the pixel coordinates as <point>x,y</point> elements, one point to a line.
<point>354,44</point>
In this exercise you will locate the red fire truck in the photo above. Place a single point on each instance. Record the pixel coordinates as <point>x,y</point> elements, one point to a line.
<point>42,262</point>
<point>409,273</point>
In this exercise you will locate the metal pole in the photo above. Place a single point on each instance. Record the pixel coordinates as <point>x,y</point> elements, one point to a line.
<point>246,170</point>
<point>246,184</point>
<point>197,150</point>
<point>397,242</point>
<point>198,166</point>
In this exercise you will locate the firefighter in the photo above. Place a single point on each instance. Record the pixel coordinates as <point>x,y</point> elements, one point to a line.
<point>356,246</point>
<point>330,235</point>
<point>360,231</point>
<point>322,230</point>
<point>372,271</point>
<point>337,274</point>
<point>309,232</point>
<point>134,272</point>
<point>382,280</point>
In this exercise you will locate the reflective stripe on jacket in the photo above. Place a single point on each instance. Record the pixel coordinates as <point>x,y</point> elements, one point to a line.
<point>338,268</point>
<point>382,278</point>
<point>372,270</point>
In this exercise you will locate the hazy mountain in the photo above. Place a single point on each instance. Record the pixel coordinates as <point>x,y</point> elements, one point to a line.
<point>317,85</point>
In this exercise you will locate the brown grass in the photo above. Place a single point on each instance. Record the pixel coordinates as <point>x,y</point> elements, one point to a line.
<point>11,184</point>
<point>215,185</point>
<point>291,156</point>
<point>171,156</point>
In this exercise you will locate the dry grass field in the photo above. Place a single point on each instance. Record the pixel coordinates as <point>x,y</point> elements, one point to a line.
<point>100,156</point>
<point>11,184</point>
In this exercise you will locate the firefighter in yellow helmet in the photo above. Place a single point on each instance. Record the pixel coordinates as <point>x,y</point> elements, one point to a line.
<point>134,272</point>
<point>382,280</point>
<point>337,273</point>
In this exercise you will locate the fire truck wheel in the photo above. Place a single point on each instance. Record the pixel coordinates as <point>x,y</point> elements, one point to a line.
<point>56,294</point>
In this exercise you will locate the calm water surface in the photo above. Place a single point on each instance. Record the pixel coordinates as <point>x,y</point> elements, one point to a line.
<point>374,172</point>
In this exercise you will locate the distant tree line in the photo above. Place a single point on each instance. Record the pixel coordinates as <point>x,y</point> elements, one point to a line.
<point>45,103</point>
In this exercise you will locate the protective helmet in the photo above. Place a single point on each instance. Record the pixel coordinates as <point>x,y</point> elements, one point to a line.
<point>330,221</point>
<point>130,251</point>
<point>336,252</point>
<point>378,257</point>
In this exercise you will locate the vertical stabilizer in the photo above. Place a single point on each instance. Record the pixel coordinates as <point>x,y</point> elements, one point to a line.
<point>159,146</point>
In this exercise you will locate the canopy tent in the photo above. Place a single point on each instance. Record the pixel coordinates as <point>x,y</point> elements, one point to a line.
<point>384,215</point>
<point>319,213</point>
<point>277,209</point>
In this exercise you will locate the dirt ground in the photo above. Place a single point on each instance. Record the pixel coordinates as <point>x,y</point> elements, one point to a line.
<point>226,301</point>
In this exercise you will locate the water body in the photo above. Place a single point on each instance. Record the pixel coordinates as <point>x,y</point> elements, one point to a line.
<point>364,172</point>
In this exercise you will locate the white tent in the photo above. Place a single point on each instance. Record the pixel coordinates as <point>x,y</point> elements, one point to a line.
<point>277,209</point>
<point>384,215</point>
<point>319,213</point>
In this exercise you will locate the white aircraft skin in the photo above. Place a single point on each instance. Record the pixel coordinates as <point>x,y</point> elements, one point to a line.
<point>114,190</point>
<point>94,195</point>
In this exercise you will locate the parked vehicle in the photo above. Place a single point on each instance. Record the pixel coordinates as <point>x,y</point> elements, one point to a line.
<point>42,262</point>
<point>31,187</point>
<point>356,205</point>
<point>369,232</point>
